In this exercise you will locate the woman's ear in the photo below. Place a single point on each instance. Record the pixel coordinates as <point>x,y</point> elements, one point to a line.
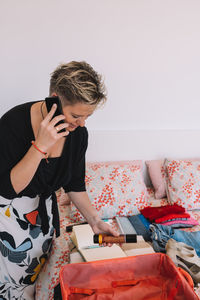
<point>54,94</point>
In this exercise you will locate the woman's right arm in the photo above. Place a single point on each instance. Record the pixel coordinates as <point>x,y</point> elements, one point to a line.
<point>23,172</point>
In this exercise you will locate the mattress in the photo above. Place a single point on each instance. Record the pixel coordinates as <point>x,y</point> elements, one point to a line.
<point>63,246</point>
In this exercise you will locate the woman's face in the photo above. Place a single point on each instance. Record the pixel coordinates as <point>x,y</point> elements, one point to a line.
<point>76,115</point>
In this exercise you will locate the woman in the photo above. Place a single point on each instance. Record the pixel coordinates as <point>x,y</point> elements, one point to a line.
<point>36,159</point>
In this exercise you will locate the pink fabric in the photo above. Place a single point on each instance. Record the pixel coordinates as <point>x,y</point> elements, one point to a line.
<point>156,173</point>
<point>171,216</point>
<point>189,221</point>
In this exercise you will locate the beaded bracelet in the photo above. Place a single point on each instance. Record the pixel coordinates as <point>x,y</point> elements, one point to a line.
<point>44,153</point>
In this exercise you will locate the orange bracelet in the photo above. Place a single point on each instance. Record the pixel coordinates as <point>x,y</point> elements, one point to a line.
<point>45,153</point>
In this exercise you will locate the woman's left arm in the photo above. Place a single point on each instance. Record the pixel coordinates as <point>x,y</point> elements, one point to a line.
<point>83,204</point>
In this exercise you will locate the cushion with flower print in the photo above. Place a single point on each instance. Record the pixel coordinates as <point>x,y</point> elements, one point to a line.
<point>114,188</point>
<point>183,182</point>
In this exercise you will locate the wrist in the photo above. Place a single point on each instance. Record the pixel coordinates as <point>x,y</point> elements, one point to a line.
<point>39,150</point>
<point>93,220</point>
<point>40,146</point>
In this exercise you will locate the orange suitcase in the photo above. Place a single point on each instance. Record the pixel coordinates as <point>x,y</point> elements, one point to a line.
<point>143,277</point>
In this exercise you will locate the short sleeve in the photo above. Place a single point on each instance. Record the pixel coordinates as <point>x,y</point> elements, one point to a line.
<point>11,151</point>
<point>77,182</point>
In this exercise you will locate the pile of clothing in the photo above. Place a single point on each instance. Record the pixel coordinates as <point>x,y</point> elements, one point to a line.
<point>169,215</point>
<point>159,225</point>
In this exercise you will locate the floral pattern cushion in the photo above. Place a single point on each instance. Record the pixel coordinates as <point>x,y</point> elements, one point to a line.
<point>115,189</point>
<point>183,182</point>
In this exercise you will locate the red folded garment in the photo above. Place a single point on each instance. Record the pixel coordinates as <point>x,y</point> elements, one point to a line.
<point>190,221</point>
<point>153,213</point>
<point>171,216</point>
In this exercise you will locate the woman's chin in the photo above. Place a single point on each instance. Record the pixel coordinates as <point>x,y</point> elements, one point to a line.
<point>70,128</point>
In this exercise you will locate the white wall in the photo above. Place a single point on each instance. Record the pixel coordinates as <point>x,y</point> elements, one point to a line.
<point>147,50</point>
<point>113,145</point>
<point>143,144</point>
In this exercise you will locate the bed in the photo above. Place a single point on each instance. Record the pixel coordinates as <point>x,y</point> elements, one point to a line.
<point>161,144</point>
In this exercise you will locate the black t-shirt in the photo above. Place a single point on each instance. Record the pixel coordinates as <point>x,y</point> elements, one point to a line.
<point>16,134</point>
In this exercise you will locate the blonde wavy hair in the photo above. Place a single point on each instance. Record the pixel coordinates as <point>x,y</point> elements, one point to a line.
<point>78,82</point>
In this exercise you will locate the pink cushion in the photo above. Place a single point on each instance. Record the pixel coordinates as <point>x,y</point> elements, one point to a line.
<point>114,188</point>
<point>156,172</point>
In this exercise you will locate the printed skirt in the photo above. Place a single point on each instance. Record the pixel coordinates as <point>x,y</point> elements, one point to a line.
<point>23,247</point>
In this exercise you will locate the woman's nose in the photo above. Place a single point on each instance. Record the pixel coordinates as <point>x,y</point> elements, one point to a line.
<point>81,122</point>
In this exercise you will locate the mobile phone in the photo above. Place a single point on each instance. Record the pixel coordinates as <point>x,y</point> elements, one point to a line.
<point>49,103</point>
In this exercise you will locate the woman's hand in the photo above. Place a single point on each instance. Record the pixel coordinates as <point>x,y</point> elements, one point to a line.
<point>103,227</point>
<point>83,204</point>
<point>48,133</point>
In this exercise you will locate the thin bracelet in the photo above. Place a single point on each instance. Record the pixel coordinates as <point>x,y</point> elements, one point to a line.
<point>45,153</point>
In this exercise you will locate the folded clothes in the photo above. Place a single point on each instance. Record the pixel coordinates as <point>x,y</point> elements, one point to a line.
<point>144,221</point>
<point>160,235</point>
<point>153,213</point>
<point>176,219</point>
<point>177,226</point>
<point>190,221</point>
<point>141,226</point>
<point>171,216</point>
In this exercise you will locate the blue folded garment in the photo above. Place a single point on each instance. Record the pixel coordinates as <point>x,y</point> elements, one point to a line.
<point>144,221</point>
<point>160,234</point>
<point>177,225</point>
<point>141,225</point>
